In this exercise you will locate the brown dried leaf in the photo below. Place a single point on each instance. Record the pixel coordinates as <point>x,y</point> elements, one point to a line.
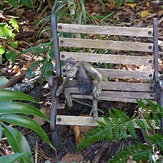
<point>160,13</point>
<point>15,69</point>
<point>147,4</point>
<point>77,134</point>
<point>39,120</point>
<point>72,157</point>
<point>84,129</point>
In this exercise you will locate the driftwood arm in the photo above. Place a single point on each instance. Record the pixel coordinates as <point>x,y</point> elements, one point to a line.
<point>94,73</point>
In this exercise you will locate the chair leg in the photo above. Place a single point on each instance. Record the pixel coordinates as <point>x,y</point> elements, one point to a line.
<point>53,83</point>
<point>161,103</point>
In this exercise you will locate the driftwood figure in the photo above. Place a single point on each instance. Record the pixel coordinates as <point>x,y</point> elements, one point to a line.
<point>83,71</point>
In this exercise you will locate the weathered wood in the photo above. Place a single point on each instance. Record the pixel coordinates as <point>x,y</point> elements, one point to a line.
<point>122,96</point>
<point>125,86</point>
<point>76,120</point>
<point>105,30</point>
<point>118,96</point>
<point>108,58</point>
<point>120,86</point>
<point>126,74</point>
<point>105,44</point>
<point>84,121</point>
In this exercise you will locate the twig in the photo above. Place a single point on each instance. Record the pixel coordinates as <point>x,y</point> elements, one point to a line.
<point>86,105</point>
<point>101,152</point>
<point>36,153</point>
<point>12,81</point>
<point>49,4</point>
<point>82,103</point>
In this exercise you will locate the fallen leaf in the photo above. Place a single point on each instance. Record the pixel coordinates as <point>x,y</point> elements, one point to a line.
<point>160,13</point>
<point>15,69</point>
<point>77,134</point>
<point>72,157</point>
<point>132,5</point>
<point>144,14</point>
<point>147,4</point>
<point>84,129</point>
<point>39,120</point>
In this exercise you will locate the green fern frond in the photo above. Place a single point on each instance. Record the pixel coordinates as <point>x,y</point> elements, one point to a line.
<point>141,123</point>
<point>95,135</point>
<point>139,152</point>
<point>116,113</point>
<point>131,129</point>
<point>112,129</point>
<point>141,104</point>
<point>116,133</point>
<point>156,141</point>
<point>118,125</point>
<point>109,123</point>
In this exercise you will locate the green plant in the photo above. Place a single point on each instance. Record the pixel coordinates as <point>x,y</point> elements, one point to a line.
<point>142,152</point>
<point>16,3</point>
<point>119,2</point>
<point>13,111</point>
<point>119,126</point>
<point>8,44</point>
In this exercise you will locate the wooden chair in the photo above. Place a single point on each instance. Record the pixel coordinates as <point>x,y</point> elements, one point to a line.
<point>131,46</point>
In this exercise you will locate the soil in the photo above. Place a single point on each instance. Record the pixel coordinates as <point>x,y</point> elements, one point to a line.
<point>28,37</point>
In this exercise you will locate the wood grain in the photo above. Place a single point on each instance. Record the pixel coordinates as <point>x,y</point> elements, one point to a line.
<point>120,86</point>
<point>105,30</point>
<point>108,58</point>
<point>118,96</point>
<point>126,74</point>
<point>105,44</point>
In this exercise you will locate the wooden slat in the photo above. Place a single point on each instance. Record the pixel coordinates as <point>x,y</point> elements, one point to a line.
<point>84,121</point>
<point>125,86</point>
<point>120,86</point>
<point>118,96</point>
<point>126,74</point>
<point>105,30</point>
<point>123,74</point>
<point>106,44</point>
<point>108,58</point>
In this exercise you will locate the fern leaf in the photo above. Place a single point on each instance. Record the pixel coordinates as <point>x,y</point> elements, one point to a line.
<point>131,129</point>
<point>95,135</point>
<point>108,121</point>
<point>123,131</point>
<point>109,134</point>
<point>116,133</point>
<point>101,124</point>
<point>117,114</point>
<point>139,152</point>
<point>141,123</point>
<point>141,104</point>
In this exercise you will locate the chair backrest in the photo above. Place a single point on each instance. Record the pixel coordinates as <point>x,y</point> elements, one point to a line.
<point>123,54</point>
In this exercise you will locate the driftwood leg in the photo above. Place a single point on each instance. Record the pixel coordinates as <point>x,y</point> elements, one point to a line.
<point>95,109</point>
<point>62,86</point>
